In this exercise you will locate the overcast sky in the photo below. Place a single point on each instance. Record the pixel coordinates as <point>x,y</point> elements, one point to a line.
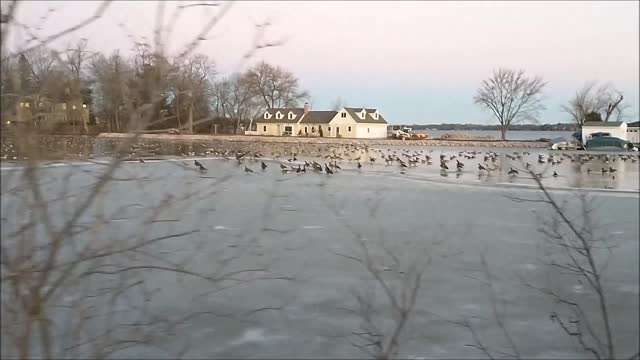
<point>417,61</point>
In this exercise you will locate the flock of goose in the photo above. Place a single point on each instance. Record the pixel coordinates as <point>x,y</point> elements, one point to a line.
<point>487,161</point>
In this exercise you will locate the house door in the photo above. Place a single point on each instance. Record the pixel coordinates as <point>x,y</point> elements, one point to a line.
<point>337,131</point>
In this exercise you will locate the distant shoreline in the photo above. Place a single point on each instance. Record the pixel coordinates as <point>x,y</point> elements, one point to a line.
<point>476,127</point>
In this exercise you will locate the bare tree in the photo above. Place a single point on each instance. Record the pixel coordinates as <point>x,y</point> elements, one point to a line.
<point>511,96</point>
<point>111,76</point>
<point>76,282</point>
<point>603,99</point>
<point>240,100</point>
<point>75,60</point>
<point>397,280</point>
<point>275,86</point>
<point>579,250</point>
<point>190,86</point>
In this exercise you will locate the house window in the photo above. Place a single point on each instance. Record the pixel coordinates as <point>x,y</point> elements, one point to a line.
<point>344,115</point>
<point>313,129</point>
<point>349,128</point>
<point>21,104</point>
<point>64,106</point>
<point>84,106</point>
<point>279,115</point>
<point>26,105</point>
<point>305,129</point>
<point>264,128</point>
<point>73,107</point>
<point>329,128</point>
<point>367,130</point>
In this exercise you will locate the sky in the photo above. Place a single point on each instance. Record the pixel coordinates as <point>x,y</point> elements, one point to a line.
<point>417,61</point>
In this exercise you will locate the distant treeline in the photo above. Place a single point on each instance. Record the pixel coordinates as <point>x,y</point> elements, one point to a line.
<point>522,127</point>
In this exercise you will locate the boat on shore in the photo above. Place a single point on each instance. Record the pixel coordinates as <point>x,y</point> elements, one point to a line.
<point>607,143</point>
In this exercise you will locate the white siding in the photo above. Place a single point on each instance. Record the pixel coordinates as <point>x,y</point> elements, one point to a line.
<point>619,132</point>
<point>343,123</point>
<point>372,131</point>
<point>633,135</point>
<point>272,129</point>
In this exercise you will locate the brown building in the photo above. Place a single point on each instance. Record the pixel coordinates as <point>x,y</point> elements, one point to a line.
<point>42,113</point>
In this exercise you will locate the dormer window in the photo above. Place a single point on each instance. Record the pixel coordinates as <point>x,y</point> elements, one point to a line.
<point>343,114</point>
<point>363,114</point>
<point>267,115</point>
<point>291,115</point>
<point>375,115</point>
<point>279,115</point>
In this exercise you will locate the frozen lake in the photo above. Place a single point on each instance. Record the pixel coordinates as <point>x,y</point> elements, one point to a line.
<point>296,224</point>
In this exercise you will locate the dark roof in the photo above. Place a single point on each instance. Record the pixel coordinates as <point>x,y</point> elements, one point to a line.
<point>368,118</point>
<point>634,124</point>
<point>285,111</point>
<point>603,123</point>
<point>318,117</point>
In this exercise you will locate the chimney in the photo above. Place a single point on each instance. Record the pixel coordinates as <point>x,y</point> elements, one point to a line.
<point>306,107</point>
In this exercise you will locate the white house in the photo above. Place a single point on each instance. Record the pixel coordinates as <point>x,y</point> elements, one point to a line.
<point>610,128</point>
<point>362,123</point>
<point>633,132</point>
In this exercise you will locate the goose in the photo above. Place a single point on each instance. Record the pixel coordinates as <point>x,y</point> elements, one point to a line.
<point>480,167</point>
<point>443,166</point>
<point>327,169</point>
<point>612,170</point>
<point>247,170</point>
<point>141,161</point>
<point>336,166</point>
<point>298,170</point>
<point>459,165</point>
<point>359,165</point>
<point>604,171</point>
<point>513,171</point>
<point>555,174</point>
<point>263,165</point>
<point>283,167</point>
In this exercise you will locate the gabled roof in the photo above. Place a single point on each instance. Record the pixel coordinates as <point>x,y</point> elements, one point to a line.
<point>368,118</point>
<point>633,124</point>
<point>285,111</point>
<point>602,123</point>
<point>318,117</point>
